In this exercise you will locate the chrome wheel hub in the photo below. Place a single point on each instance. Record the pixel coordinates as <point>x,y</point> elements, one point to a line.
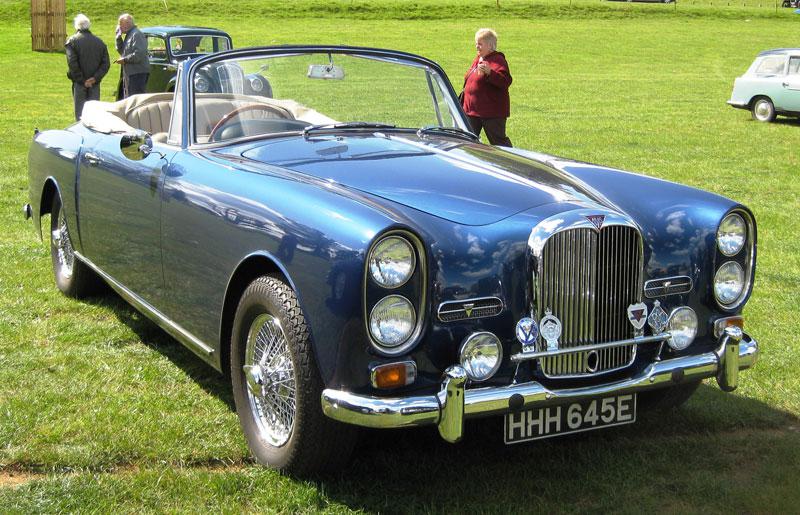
<point>762,110</point>
<point>270,378</point>
<point>64,251</point>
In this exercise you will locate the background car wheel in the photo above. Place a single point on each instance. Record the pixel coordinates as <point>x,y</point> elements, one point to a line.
<point>72,276</point>
<point>667,398</point>
<point>763,110</point>
<point>276,385</point>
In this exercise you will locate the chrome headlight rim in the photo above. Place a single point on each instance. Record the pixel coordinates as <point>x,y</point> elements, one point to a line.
<point>746,259</point>
<point>672,317</point>
<point>742,290</point>
<point>256,84</point>
<point>389,348</point>
<point>726,220</point>
<point>201,84</point>
<point>384,240</point>
<point>464,346</point>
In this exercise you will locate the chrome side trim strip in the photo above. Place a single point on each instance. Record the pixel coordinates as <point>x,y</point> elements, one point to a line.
<point>175,330</point>
<point>639,340</point>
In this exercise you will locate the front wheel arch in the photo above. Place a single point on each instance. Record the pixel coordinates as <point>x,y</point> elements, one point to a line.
<point>247,271</point>
<point>49,192</point>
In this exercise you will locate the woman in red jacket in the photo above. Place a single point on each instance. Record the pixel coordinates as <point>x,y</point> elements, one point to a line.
<point>486,100</point>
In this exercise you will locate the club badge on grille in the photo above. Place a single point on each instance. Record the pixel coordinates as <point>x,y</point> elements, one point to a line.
<point>657,319</point>
<point>637,316</point>
<point>597,221</point>
<point>550,327</point>
<point>527,333</point>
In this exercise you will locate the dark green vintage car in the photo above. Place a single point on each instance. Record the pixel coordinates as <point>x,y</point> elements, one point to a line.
<point>167,45</point>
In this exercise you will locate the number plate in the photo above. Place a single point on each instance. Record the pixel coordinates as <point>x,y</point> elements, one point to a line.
<point>550,421</point>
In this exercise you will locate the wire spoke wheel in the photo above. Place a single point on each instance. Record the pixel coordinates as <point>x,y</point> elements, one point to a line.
<point>271,379</point>
<point>63,245</point>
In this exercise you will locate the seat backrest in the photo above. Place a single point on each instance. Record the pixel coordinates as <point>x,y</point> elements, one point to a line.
<point>152,116</point>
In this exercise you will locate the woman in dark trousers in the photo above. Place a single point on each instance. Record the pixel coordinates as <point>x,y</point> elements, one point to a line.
<point>486,100</point>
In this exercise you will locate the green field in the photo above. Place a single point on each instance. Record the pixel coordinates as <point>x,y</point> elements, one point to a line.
<point>101,411</point>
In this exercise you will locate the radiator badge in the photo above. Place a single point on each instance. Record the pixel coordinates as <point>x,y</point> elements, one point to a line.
<point>597,221</point>
<point>657,319</point>
<point>527,333</point>
<point>637,316</point>
<point>550,327</point>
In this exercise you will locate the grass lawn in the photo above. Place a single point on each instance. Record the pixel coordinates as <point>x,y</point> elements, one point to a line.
<point>102,411</point>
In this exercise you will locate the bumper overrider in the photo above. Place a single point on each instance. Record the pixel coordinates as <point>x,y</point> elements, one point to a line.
<point>454,403</point>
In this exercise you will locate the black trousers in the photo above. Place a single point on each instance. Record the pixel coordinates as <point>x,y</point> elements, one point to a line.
<point>495,129</point>
<point>135,84</point>
<point>81,94</point>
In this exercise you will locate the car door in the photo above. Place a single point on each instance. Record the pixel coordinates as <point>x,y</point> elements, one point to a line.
<point>161,70</point>
<point>790,96</point>
<point>119,208</point>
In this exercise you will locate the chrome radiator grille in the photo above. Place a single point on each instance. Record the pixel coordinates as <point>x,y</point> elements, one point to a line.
<point>231,78</point>
<point>588,280</point>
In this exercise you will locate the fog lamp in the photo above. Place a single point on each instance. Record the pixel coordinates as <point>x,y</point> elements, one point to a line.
<point>682,326</point>
<point>481,354</point>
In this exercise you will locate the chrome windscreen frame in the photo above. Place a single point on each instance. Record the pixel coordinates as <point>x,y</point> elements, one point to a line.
<point>566,221</point>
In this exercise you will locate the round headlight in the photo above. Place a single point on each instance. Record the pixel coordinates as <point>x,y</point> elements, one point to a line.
<point>481,354</point>
<point>731,235</point>
<point>392,321</point>
<point>201,85</point>
<point>682,326</point>
<point>256,84</point>
<point>729,282</point>
<point>392,262</point>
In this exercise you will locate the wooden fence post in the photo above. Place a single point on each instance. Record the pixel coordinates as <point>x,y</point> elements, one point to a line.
<point>48,25</point>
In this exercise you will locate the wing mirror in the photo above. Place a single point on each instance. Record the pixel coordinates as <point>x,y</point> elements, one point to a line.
<point>137,145</point>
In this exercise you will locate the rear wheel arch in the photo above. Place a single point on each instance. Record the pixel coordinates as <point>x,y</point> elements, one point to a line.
<point>249,269</point>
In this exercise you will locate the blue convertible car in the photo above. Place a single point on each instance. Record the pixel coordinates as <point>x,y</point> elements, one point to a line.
<point>353,256</point>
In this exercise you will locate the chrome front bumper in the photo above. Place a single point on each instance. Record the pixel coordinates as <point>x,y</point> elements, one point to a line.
<point>453,403</point>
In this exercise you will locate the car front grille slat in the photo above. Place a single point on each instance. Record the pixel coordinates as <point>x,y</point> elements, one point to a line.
<point>588,280</point>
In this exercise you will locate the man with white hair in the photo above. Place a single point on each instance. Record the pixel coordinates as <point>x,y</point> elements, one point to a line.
<point>132,56</point>
<point>87,61</point>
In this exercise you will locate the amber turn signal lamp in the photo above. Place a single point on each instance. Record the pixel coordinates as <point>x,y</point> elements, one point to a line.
<point>722,323</point>
<point>393,375</point>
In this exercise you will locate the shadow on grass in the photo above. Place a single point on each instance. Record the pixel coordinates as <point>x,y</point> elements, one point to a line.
<point>154,337</point>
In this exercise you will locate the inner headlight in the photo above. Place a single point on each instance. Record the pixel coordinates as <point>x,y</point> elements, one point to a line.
<point>729,282</point>
<point>481,354</point>
<point>201,85</point>
<point>731,235</point>
<point>392,321</point>
<point>682,326</point>
<point>392,262</point>
<point>256,84</point>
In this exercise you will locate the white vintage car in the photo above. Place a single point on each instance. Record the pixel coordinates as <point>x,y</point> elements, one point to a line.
<point>771,86</point>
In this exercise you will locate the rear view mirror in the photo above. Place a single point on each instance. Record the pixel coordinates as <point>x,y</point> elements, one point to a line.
<point>136,146</point>
<point>325,71</point>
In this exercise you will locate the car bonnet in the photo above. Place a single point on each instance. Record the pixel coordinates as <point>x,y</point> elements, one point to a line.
<point>467,183</point>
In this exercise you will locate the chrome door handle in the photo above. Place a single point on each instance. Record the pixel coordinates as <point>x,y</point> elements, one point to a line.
<point>92,159</point>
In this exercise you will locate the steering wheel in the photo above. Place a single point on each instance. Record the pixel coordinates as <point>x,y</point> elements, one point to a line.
<point>243,109</point>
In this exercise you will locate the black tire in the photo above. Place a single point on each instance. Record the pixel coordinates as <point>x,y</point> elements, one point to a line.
<point>762,109</point>
<point>73,277</point>
<point>269,314</point>
<point>668,398</point>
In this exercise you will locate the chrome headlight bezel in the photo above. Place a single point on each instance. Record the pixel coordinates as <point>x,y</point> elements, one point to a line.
<point>201,84</point>
<point>474,342</point>
<point>384,246</point>
<point>725,234</point>
<point>413,289</point>
<point>744,257</point>
<point>742,282</point>
<point>256,84</point>
<point>413,318</point>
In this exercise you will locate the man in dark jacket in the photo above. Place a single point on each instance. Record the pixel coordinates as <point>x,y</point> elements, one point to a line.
<point>87,59</point>
<point>486,100</point>
<point>132,56</point>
